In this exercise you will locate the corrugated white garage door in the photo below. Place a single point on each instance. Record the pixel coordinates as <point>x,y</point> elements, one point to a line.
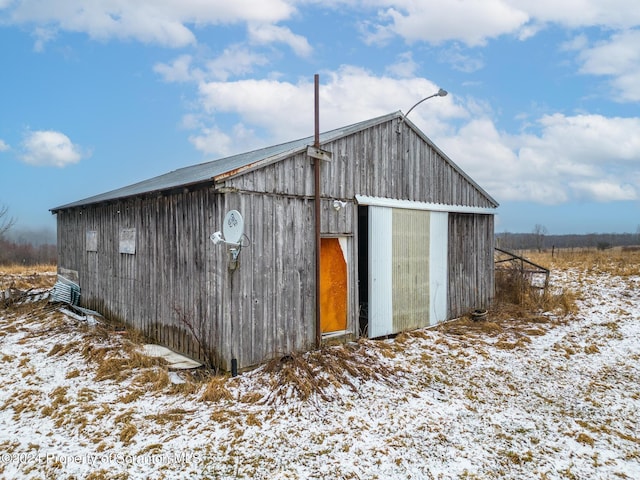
<point>407,269</point>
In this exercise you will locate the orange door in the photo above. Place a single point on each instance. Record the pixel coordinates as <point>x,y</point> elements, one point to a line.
<point>333,286</point>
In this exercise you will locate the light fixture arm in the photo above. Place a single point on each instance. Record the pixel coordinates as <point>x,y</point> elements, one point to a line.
<point>440,93</point>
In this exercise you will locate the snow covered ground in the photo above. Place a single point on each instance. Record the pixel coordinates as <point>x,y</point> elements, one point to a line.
<point>550,396</point>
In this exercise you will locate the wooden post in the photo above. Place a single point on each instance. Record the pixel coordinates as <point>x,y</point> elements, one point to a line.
<point>316,171</point>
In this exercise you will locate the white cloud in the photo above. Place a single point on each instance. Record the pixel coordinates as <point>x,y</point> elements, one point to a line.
<point>471,22</point>
<point>582,13</point>
<point>50,148</point>
<point>577,43</point>
<point>577,157</point>
<point>491,158</point>
<point>461,61</point>
<point>172,23</point>
<point>593,138</point>
<point>3,146</point>
<point>605,190</point>
<point>618,58</point>
<point>285,110</point>
<point>42,35</point>
<point>404,67</point>
<point>179,70</point>
<point>234,61</point>
<point>213,141</point>
<point>568,158</point>
<point>266,34</point>
<point>163,22</point>
<point>191,121</point>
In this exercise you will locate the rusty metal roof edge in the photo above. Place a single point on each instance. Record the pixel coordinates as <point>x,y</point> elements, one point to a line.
<point>257,164</point>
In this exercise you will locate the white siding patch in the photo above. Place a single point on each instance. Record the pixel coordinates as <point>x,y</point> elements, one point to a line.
<point>438,270</point>
<point>128,241</point>
<point>380,272</point>
<point>92,241</point>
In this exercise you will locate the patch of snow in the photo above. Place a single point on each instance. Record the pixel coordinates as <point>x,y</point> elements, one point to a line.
<point>564,404</point>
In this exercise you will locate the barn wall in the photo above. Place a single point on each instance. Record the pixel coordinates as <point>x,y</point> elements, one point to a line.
<point>178,277</point>
<point>163,285</point>
<point>376,162</point>
<point>379,162</point>
<point>266,306</point>
<point>471,275</point>
<point>271,296</point>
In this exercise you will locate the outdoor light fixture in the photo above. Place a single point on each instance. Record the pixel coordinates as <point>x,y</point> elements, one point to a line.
<point>440,93</point>
<point>338,204</point>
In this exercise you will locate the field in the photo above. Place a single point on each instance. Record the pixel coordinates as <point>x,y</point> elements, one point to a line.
<point>547,389</point>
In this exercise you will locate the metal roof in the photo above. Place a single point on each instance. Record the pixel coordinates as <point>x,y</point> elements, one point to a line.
<point>204,172</point>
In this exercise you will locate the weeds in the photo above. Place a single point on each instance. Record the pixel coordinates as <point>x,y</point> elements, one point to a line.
<point>118,366</point>
<point>216,390</point>
<point>327,370</point>
<point>23,277</point>
<point>515,289</point>
<point>202,331</point>
<point>585,439</point>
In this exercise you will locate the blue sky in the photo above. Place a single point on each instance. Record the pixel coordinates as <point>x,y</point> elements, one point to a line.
<point>542,111</point>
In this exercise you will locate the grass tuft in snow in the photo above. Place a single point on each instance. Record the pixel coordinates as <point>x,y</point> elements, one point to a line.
<point>216,390</point>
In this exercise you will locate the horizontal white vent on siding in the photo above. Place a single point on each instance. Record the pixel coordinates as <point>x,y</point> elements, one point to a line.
<point>412,205</point>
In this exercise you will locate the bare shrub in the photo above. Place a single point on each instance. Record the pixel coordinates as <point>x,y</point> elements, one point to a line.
<point>515,287</point>
<point>202,330</point>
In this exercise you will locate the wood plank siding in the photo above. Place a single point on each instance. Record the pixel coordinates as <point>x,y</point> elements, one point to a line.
<point>367,163</point>
<point>471,274</point>
<point>266,306</point>
<point>262,309</point>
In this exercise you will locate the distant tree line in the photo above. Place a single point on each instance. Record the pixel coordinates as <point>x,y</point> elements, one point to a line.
<point>28,248</point>
<point>26,253</point>
<point>539,240</point>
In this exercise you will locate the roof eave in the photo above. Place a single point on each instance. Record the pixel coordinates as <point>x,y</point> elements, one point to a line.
<point>151,193</point>
<point>451,162</point>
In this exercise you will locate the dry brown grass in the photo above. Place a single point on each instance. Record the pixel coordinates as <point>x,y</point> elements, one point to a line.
<point>216,390</point>
<point>18,269</point>
<point>623,262</point>
<point>28,400</point>
<point>328,369</point>
<point>26,277</point>
<point>155,378</point>
<point>615,261</point>
<point>124,364</point>
<point>466,325</point>
<point>515,289</point>
<point>173,415</point>
<point>110,351</point>
<point>129,430</point>
<point>519,308</point>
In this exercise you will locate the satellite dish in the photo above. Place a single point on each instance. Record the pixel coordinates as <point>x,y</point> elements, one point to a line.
<point>233,227</point>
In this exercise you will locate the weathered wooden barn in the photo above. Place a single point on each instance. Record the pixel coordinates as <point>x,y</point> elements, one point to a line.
<point>407,241</point>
